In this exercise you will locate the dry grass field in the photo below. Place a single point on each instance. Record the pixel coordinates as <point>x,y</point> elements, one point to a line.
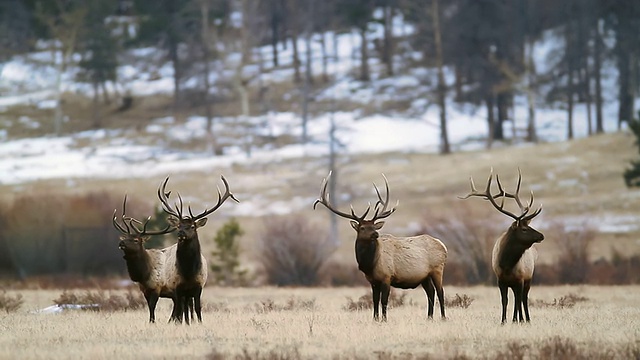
<point>303,323</point>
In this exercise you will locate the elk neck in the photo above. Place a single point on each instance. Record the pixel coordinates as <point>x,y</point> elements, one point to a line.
<point>366,251</point>
<point>188,256</point>
<point>138,265</point>
<point>511,251</point>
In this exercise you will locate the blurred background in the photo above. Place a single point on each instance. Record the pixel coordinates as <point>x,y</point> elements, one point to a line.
<point>105,98</point>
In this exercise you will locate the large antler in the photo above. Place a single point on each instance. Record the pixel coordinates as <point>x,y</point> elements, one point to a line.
<point>129,228</point>
<point>163,195</point>
<point>380,213</point>
<point>503,194</point>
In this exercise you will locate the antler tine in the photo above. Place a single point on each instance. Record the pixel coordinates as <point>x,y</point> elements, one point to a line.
<point>163,195</point>
<point>116,225</point>
<point>504,194</point>
<point>383,213</point>
<point>324,200</point>
<point>221,199</point>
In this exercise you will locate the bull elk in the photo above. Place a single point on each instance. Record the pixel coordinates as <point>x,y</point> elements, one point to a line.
<point>191,264</point>
<point>513,256</point>
<point>386,260</point>
<point>147,267</point>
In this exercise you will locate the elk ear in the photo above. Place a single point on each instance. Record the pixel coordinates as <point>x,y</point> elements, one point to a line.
<point>123,238</point>
<point>144,239</point>
<point>355,225</point>
<point>378,225</point>
<point>173,221</point>
<point>200,223</point>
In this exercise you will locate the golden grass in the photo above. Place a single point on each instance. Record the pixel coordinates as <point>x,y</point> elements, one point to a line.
<point>235,321</point>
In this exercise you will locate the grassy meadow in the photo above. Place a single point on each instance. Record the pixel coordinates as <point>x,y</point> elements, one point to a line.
<point>568,322</point>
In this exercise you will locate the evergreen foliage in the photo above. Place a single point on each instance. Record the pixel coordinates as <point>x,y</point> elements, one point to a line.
<point>225,264</point>
<point>632,174</point>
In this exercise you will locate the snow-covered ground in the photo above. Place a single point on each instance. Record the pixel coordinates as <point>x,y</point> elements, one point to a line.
<point>415,130</point>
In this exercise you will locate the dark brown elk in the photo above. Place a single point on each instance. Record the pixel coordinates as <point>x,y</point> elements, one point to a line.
<point>386,260</point>
<point>513,256</point>
<point>147,267</point>
<point>191,265</point>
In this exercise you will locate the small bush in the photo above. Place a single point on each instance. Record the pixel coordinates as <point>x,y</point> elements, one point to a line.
<point>573,262</point>
<point>564,302</point>
<point>292,251</point>
<point>292,304</point>
<point>462,301</point>
<point>336,273</point>
<point>366,301</point>
<point>469,237</point>
<point>225,264</point>
<point>100,301</point>
<point>10,303</point>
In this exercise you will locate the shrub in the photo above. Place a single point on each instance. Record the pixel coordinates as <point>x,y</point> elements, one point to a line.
<point>573,264</point>
<point>366,301</point>
<point>62,234</point>
<point>469,238</point>
<point>463,301</point>
<point>564,302</point>
<point>225,264</point>
<point>292,304</point>
<point>10,303</point>
<point>100,301</point>
<point>335,273</point>
<point>292,251</point>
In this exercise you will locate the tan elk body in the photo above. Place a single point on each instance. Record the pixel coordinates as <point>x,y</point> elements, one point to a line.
<point>513,257</point>
<point>388,261</point>
<point>152,269</point>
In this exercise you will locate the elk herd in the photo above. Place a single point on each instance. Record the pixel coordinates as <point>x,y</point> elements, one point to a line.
<point>179,272</point>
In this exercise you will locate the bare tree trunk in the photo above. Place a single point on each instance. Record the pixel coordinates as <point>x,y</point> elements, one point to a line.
<point>206,58</point>
<point>364,56</point>
<point>598,78</point>
<point>177,75</point>
<point>442,86</point>
<point>491,121</point>
<point>387,55</point>
<point>570,106</point>
<point>325,57</point>
<point>587,99</point>
<point>532,134</point>
<point>308,80</point>
<point>296,58</point>
<point>95,107</point>
<point>333,144</point>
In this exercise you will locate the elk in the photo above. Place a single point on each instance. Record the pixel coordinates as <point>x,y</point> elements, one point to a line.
<point>513,256</point>
<point>386,260</point>
<point>191,265</point>
<point>146,267</point>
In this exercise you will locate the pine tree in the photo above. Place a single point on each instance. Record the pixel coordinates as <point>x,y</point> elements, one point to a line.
<point>632,174</point>
<point>225,264</point>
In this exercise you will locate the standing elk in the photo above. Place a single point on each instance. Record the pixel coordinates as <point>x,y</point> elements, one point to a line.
<point>386,260</point>
<point>148,267</point>
<point>513,256</point>
<point>190,263</point>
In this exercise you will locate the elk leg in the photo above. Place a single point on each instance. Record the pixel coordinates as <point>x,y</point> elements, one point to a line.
<point>428,287</point>
<point>503,295</point>
<point>186,300</point>
<point>196,299</point>
<point>175,311</point>
<point>386,289</point>
<point>437,283</point>
<point>152,301</point>
<point>525,299</point>
<point>375,288</point>
<point>517,306</point>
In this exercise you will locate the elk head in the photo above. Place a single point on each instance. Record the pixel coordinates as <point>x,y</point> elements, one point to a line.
<point>188,224</point>
<point>133,238</point>
<point>367,230</point>
<point>519,232</point>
